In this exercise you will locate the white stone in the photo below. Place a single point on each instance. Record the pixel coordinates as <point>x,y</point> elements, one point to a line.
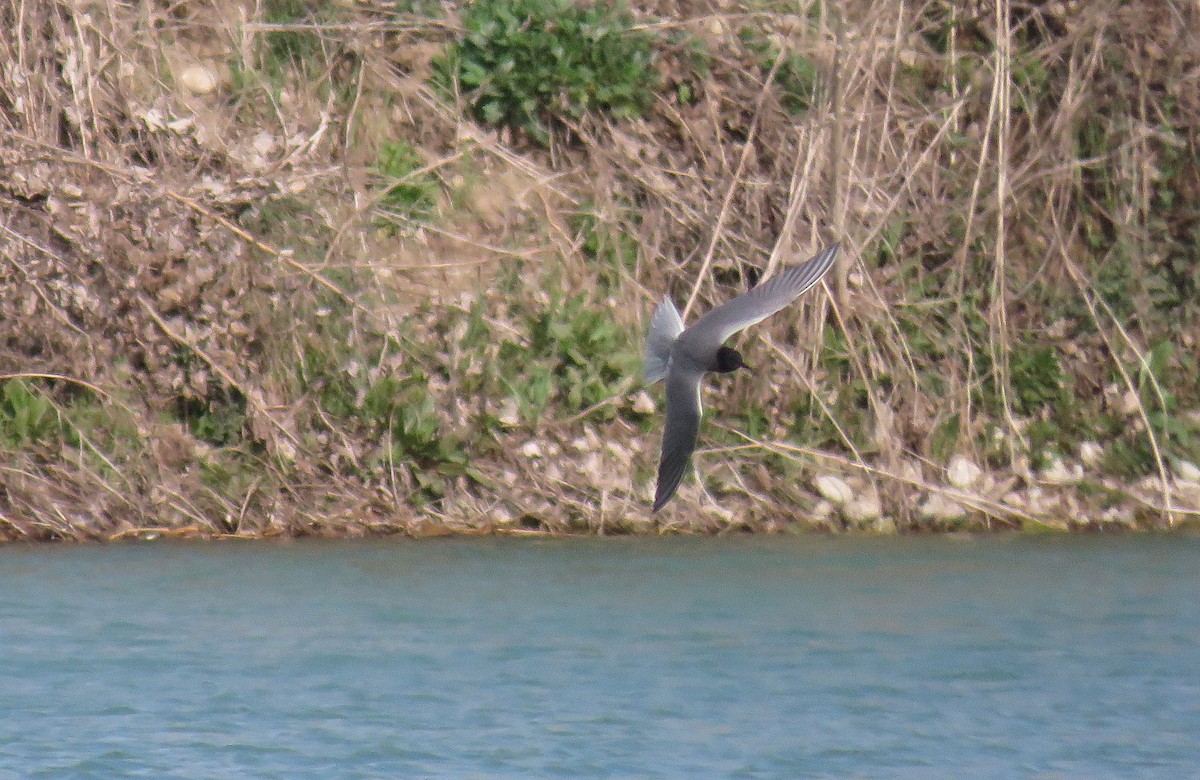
<point>593,468</point>
<point>833,489</point>
<point>181,125</point>
<point>1035,501</point>
<point>1060,472</point>
<point>963,473</point>
<point>154,119</point>
<point>643,403</point>
<point>1120,515</point>
<point>263,143</point>
<point>1187,492</point>
<point>1187,472</point>
<point>531,449</point>
<point>910,472</point>
<point>1187,482</point>
<point>938,507</point>
<point>198,79</point>
<point>1149,485</point>
<point>1129,403</point>
<point>863,509</point>
<point>886,525</point>
<point>509,414</point>
<point>286,450</point>
<point>618,451</point>
<point>1091,453</point>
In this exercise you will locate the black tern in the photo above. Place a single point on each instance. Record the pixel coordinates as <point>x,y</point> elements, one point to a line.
<point>683,356</point>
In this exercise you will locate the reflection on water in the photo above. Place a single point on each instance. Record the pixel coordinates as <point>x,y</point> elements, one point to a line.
<point>796,657</point>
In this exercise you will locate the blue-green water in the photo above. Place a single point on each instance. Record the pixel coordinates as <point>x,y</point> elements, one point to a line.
<point>773,658</point>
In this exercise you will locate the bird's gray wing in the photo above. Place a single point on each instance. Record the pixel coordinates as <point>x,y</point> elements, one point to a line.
<point>709,332</point>
<point>665,327</point>
<point>679,435</point>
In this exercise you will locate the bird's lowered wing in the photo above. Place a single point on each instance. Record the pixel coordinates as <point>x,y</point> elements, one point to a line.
<point>679,436</point>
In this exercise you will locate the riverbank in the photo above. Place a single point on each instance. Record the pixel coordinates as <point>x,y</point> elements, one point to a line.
<point>349,269</point>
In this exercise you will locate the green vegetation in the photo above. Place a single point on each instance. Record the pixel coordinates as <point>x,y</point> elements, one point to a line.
<point>533,64</point>
<point>1038,379</point>
<point>796,77</point>
<point>299,47</point>
<point>26,417</point>
<point>612,252</point>
<point>411,194</point>
<point>217,418</point>
<point>575,355</point>
<point>406,412</point>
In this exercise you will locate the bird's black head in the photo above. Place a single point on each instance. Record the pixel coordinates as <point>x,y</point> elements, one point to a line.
<point>729,359</point>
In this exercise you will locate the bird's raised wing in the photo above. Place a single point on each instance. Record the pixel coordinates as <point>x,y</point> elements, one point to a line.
<point>710,331</point>
<point>679,435</point>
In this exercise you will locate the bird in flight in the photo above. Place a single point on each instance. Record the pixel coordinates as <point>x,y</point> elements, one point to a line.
<point>683,355</point>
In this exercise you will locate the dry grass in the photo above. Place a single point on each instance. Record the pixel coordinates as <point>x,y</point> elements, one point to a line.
<point>212,334</point>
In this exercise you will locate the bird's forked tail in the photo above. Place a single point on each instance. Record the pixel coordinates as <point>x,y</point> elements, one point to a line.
<point>665,327</point>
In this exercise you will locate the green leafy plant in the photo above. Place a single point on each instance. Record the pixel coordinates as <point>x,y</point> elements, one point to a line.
<point>610,248</point>
<point>1174,281</point>
<point>413,193</point>
<point>1171,428</point>
<point>231,474</point>
<point>573,354</point>
<point>26,416</point>
<point>218,416</point>
<point>1030,74</point>
<point>1037,379</point>
<point>532,391</point>
<point>278,218</point>
<point>335,390</point>
<point>944,438</point>
<point>400,412</point>
<point>296,47</point>
<point>529,63</point>
<point>407,411</point>
<point>796,78</point>
<point>587,349</point>
<point>686,64</point>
